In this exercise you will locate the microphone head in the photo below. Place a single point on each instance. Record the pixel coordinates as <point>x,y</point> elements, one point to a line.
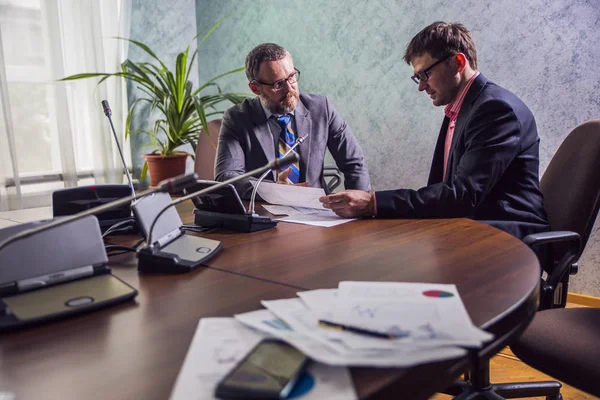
<point>285,161</point>
<point>177,184</point>
<point>302,138</point>
<point>106,108</point>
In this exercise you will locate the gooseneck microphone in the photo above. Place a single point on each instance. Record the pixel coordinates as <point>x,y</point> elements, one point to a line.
<point>299,141</point>
<point>108,113</point>
<point>174,185</point>
<point>273,165</point>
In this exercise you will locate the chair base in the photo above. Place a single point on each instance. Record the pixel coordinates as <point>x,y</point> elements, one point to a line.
<point>467,391</point>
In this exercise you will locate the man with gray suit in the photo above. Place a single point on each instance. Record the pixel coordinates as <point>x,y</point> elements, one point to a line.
<point>267,126</point>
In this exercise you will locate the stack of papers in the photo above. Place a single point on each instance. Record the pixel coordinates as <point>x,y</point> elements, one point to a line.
<point>300,204</point>
<point>428,322</point>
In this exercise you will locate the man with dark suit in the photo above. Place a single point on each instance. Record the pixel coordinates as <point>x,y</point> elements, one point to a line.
<point>266,127</point>
<point>485,165</point>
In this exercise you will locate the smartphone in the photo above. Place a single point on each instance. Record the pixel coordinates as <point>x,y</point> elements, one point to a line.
<point>269,371</point>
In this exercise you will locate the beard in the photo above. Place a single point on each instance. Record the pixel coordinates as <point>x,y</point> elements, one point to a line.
<point>283,106</point>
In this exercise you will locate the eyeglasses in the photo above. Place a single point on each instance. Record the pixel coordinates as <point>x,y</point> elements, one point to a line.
<point>424,75</point>
<point>278,85</point>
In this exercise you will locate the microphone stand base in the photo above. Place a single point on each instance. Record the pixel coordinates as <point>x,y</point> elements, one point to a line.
<point>234,222</point>
<point>182,255</point>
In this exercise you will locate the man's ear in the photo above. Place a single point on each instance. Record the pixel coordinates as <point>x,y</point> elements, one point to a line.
<point>254,87</point>
<point>461,62</point>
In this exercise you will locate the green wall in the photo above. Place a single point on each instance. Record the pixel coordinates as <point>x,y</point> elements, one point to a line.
<point>351,50</point>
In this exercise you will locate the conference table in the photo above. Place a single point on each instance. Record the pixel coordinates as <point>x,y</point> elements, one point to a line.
<point>135,350</point>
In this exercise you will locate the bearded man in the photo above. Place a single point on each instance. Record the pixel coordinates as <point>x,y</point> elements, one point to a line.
<point>268,126</point>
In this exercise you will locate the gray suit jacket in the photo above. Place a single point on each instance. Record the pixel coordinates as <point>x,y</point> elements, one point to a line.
<point>246,143</point>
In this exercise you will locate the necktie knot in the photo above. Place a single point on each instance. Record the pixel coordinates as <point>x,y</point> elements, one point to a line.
<point>284,120</point>
<point>287,135</point>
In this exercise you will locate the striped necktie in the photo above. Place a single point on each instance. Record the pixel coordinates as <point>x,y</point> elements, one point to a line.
<point>287,139</point>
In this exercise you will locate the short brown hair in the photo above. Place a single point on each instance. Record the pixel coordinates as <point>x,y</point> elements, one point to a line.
<point>263,52</point>
<point>441,40</point>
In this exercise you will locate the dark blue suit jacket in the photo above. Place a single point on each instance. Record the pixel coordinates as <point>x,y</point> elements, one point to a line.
<point>493,168</point>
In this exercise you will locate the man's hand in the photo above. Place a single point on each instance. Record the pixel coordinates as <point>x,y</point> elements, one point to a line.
<point>282,178</point>
<point>350,203</point>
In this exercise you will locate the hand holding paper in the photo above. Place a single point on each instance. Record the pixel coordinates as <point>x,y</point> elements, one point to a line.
<point>302,202</point>
<point>350,203</point>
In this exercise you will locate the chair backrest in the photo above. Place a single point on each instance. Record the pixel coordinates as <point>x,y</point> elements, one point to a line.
<point>206,151</point>
<point>571,183</point>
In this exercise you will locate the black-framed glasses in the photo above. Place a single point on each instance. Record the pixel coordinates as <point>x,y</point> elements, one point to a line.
<point>278,85</point>
<point>424,75</point>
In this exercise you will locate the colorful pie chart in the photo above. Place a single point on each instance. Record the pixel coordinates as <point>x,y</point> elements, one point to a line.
<point>437,293</point>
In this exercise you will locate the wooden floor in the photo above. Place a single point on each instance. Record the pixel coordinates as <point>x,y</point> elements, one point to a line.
<point>506,367</point>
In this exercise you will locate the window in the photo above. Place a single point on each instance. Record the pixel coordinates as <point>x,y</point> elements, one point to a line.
<point>54,134</point>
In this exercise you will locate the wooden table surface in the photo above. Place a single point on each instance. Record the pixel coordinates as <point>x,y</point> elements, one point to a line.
<point>135,350</point>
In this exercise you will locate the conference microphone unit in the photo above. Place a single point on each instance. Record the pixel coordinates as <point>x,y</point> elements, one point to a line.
<point>58,268</point>
<point>74,200</point>
<point>168,248</point>
<point>173,185</point>
<point>223,208</point>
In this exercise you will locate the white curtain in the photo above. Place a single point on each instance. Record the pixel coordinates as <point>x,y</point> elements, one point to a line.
<point>51,128</point>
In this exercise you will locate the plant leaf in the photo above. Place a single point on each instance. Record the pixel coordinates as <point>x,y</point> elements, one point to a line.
<point>144,171</point>
<point>145,48</point>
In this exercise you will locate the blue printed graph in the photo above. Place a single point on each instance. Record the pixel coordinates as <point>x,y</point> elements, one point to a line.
<point>361,311</point>
<point>304,385</point>
<point>278,324</point>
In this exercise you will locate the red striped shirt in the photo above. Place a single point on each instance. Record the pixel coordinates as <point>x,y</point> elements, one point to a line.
<point>451,111</point>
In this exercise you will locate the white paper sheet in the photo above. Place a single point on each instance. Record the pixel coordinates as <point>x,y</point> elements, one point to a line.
<point>308,216</point>
<point>294,313</point>
<point>220,343</point>
<point>279,210</point>
<point>423,311</point>
<point>292,210</point>
<point>320,302</point>
<point>325,219</point>
<point>290,195</point>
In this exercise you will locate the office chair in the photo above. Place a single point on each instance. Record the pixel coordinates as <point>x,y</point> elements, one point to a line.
<point>560,342</point>
<point>206,151</point>
<point>571,192</point>
<point>563,343</point>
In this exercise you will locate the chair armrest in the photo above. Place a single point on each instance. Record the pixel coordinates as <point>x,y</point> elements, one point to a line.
<point>334,173</point>
<point>536,239</point>
<point>562,267</point>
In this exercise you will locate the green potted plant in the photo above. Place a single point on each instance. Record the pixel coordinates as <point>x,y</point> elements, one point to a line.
<point>184,112</point>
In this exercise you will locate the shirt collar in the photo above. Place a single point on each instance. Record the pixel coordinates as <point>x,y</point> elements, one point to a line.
<point>452,109</point>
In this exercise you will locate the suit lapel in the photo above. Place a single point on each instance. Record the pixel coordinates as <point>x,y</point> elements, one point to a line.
<point>261,130</point>
<point>303,127</point>
<point>463,117</point>
<point>437,163</point>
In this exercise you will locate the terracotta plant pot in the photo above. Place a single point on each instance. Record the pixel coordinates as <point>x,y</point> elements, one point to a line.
<point>165,167</point>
